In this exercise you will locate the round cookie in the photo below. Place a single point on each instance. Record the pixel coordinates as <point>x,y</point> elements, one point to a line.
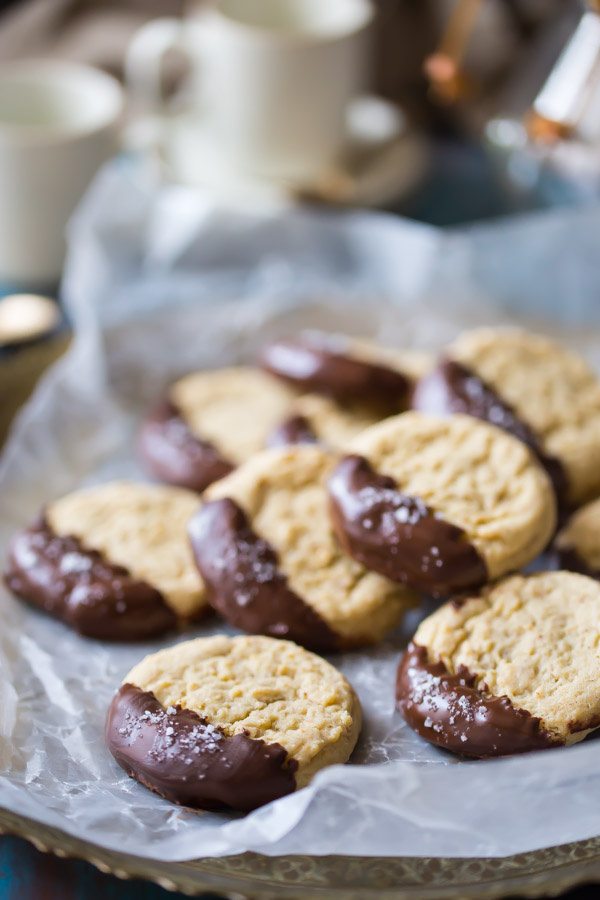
<point>532,387</point>
<point>514,669</point>
<point>316,419</point>
<point>441,504</point>
<point>234,723</point>
<point>112,561</point>
<point>578,544</point>
<point>348,369</point>
<point>210,422</point>
<point>264,545</point>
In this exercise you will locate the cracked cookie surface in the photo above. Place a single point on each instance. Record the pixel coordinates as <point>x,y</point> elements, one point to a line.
<point>141,527</point>
<point>210,422</point>
<point>532,639</point>
<point>269,689</point>
<point>283,494</point>
<point>553,391</point>
<point>473,476</point>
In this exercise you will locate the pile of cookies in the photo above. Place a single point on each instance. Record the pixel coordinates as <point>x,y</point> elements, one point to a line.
<point>312,502</point>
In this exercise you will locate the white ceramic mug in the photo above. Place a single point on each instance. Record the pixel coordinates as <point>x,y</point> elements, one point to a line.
<point>273,78</point>
<point>58,123</point>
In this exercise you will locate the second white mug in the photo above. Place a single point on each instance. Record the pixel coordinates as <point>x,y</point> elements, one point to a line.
<point>59,122</point>
<point>272,79</point>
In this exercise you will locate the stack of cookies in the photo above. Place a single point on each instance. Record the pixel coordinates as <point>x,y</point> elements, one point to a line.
<point>310,503</point>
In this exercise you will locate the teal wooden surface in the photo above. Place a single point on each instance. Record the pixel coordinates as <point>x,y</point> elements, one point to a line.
<point>27,874</point>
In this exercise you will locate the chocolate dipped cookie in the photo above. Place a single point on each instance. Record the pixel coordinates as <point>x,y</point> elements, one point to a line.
<point>347,369</point>
<point>531,387</point>
<point>512,669</point>
<point>577,545</point>
<point>210,422</point>
<point>316,419</point>
<point>265,548</point>
<point>440,504</point>
<point>112,561</point>
<point>231,723</point>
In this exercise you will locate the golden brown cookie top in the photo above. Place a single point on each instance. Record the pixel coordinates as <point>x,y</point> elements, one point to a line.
<point>473,476</point>
<point>142,527</point>
<point>266,688</point>
<point>553,391</point>
<point>283,494</point>
<point>533,639</point>
<point>234,409</point>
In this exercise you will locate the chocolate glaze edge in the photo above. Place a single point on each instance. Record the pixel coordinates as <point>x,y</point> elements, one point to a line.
<point>455,388</point>
<point>398,535</point>
<point>182,757</point>
<point>295,429</point>
<point>172,453</point>
<point>316,367</point>
<point>452,713</point>
<point>244,583</point>
<point>78,585</point>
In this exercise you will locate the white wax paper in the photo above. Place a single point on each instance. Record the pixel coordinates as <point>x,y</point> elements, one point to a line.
<point>157,283</point>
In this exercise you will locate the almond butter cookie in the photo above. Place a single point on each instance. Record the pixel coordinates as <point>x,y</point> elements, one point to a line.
<point>348,369</point>
<point>266,550</point>
<point>441,504</point>
<point>112,561</point>
<point>535,389</point>
<point>210,422</point>
<point>233,723</point>
<point>578,544</point>
<point>513,669</point>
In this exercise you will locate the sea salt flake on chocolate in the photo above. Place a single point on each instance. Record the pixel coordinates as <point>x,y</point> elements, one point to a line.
<point>27,558</point>
<point>75,562</point>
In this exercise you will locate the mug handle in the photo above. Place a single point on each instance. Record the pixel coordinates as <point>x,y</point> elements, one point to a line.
<point>145,56</point>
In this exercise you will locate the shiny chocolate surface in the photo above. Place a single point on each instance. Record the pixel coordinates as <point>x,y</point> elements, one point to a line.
<point>185,759</point>
<point>321,366</point>
<point>398,535</point>
<point>451,712</point>
<point>244,583</point>
<point>78,585</point>
<point>173,454</point>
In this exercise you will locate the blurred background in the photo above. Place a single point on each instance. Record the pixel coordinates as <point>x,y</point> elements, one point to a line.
<point>463,77</point>
<point>444,111</point>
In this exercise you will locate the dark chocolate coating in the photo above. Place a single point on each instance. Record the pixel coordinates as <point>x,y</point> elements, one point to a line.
<point>180,756</point>
<point>398,535</point>
<point>295,430</point>
<point>568,558</point>
<point>71,582</point>
<point>243,581</point>
<point>317,366</point>
<point>174,455</point>
<point>453,388</point>
<point>449,711</point>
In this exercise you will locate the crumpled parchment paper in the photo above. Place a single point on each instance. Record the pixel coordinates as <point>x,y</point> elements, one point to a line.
<point>158,283</point>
